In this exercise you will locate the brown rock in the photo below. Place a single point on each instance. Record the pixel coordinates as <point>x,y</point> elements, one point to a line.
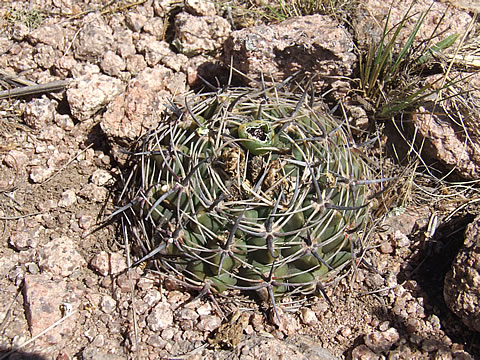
<point>447,141</point>
<point>94,39</point>
<point>298,348</point>
<point>51,34</point>
<point>362,352</point>
<point>313,44</point>
<point>59,257</point>
<point>69,197</point>
<point>123,42</point>
<point>22,240</point>
<point>462,283</point>
<point>154,50</point>
<point>112,64</point>
<point>379,341</point>
<point>19,31</point>
<point>109,263</point>
<point>39,174</point>
<point>47,301</point>
<point>16,159</point>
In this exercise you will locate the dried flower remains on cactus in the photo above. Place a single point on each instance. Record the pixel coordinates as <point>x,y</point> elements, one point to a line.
<point>251,190</point>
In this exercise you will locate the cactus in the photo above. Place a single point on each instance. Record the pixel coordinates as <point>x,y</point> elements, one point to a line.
<point>249,189</point>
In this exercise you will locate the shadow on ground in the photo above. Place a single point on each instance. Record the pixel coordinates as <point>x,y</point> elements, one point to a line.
<point>9,354</point>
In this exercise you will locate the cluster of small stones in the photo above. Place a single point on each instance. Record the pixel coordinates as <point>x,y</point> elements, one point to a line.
<point>55,168</point>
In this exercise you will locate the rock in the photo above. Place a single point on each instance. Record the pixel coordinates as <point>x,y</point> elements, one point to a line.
<point>94,39</point>
<point>39,174</point>
<point>445,141</point>
<point>19,31</point>
<point>54,35</point>
<point>200,34</point>
<point>47,301</point>
<point>362,352</point>
<point>93,353</point>
<point>462,283</point>
<point>93,192</point>
<point>39,112</point>
<point>66,7</point>
<point>123,43</point>
<point>154,50</point>
<point>379,341</point>
<point>101,177</point>
<point>369,20</point>
<point>308,316</point>
<point>313,44</point>
<point>59,257</point>
<point>160,318</point>
<point>65,65</point>
<point>112,64</point>
<point>23,240</point>
<point>200,7</point>
<point>258,347</point>
<point>109,263</point>
<point>86,222</point>
<point>90,93</point>
<point>46,56</point>
<point>208,323</point>
<point>108,304</point>
<point>22,57</point>
<point>135,21</point>
<point>155,27</point>
<point>68,198</point>
<point>16,159</point>
<point>136,64</point>
<point>131,114</point>
<point>64,121</point>
<point>51,133</point>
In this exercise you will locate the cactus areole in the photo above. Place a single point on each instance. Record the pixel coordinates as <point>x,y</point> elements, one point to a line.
<point>249,189</point>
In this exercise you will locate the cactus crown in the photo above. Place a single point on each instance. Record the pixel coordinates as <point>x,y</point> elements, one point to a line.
<point>249,189</point>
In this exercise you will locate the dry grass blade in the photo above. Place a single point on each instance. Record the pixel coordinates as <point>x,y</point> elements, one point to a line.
<point>393,81</point>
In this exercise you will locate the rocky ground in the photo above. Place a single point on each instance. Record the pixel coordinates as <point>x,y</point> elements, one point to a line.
<point>66,291</point>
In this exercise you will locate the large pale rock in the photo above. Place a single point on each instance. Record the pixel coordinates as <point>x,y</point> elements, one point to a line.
<point>370,16</point>
<point>54,35</point>
<point>94,39</point>
<point>136,110</point>
<point>313,44</point>
<point>195,35</point>
<point>462,283</point>
<point>90,93</point>
<point>456,146</point>
<point>47,301</point>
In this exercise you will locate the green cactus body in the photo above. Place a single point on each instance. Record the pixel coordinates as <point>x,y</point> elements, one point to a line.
<point>246,189</point>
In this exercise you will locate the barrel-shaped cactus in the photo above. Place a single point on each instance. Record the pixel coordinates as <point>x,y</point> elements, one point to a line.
<point>249,189</point>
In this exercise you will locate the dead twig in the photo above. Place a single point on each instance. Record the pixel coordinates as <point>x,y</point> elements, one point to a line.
<point>34,89</point>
